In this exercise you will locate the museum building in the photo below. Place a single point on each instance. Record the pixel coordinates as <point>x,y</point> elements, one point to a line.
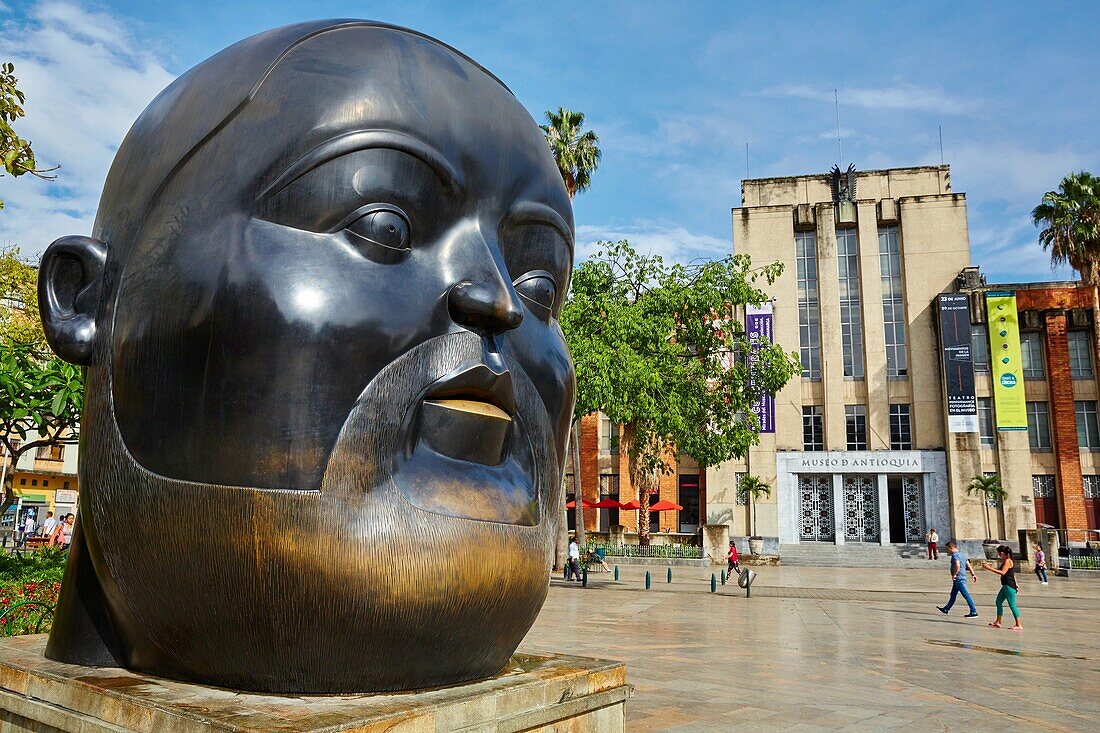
<point>864,449</point>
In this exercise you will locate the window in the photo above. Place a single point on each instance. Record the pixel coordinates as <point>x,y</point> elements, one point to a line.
<point>893,303</point>
<point>609,489</point>
<point>1080,354</point>
<point>15,443</point>
<point>34,482</point>
<point>22,482</point>
<point>1031,351</point>
<point>742,499</point>
<point>65,485</point>
<point>1092,486</point>
<point>851,318</point>
<point>809,312</point>
<point>51,452</point>
<point>609,435</point>
<point>1042,487</point>
<point>1088,433</point>
<point>979,347</point>
<point>45,483</point>
<point>855,423</point>
<point>985,422</point>
<point>901,430</point>
<point>813,428</point>
<point>1038,425</point>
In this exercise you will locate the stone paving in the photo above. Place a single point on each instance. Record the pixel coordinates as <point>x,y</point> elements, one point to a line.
<point>820,649</point>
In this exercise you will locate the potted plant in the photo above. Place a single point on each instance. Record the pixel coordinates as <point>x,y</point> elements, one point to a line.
<point>753,488</point>
<point>988,487</point>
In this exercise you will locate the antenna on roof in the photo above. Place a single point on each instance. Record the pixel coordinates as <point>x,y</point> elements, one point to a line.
<point>839,147</point>
<point>940,127</point>
<point>746,160</point>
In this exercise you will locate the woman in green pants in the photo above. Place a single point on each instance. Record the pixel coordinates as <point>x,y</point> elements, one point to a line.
<point>1007,571</point>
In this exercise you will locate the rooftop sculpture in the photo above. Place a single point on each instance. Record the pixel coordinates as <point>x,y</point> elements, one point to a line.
<point>328,397</point>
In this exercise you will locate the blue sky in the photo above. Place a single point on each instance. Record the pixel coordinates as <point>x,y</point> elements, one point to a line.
<point>674,90</point>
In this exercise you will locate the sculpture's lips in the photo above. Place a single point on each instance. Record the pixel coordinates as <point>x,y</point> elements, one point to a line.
<point>467,415</point>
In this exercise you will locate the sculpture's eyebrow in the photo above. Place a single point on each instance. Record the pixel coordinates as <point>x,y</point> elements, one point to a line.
<point>528,212</point>
<point>351,142</point>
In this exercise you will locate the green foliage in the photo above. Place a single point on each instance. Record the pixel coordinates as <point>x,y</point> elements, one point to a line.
<point>658,348</point>
<point>990,490</point>
<point>15,152</point>
<point>29,587</point>
<point>44,566</point>
<point>19,317</point>
<point>576,153</point>
<point>755,489</point>
<point>1070,218</point>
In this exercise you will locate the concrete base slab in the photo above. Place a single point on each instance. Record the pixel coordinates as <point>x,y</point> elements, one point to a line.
<point>556,693</point>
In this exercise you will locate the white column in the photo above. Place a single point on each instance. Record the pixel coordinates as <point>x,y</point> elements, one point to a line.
<point>838,508</point>
<point>883,510</point>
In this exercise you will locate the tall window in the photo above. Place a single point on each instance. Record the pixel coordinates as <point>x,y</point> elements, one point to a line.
<point>1031,351</point>
<point>1088,433</point>
<point>609,435</point>
<point>985,422</point>
<point>813,428</point>
<point>742,499</point>
<point>901,429</point>
<point>855,423</point>
<point>979,347</point>
<point>1080,354</point>
<point>851,319</point>
<point>609,489</point>
<point>809,312</point>
<point>893,303</point>
<point>1038,425</point>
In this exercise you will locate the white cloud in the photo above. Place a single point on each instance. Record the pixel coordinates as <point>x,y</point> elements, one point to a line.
<point>900,96</point>
<point>85,85</point>
<point>660,237</point>
<point>1007,170</point>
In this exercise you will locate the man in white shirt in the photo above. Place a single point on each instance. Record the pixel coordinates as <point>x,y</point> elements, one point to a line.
<point>28,528</point>
<point>49,525</point>
<point>574,567</point>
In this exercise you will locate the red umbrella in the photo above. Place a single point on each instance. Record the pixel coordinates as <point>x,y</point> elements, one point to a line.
<point>607,504</point>
<point>585,504</point>
<point>632,504</point>
<point>664,505</point>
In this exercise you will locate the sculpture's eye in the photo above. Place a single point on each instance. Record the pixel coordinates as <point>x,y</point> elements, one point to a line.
<point>383,227</point>
<point>539,291</point>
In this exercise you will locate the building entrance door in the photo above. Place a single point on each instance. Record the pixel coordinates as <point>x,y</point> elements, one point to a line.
<point>815,501</point>
<point>905,496</point>
<point>861,520</point>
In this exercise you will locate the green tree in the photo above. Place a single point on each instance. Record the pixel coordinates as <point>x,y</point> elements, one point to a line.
<point>19,318</point>
<point>1070,221</point>
<point>989,488</point>
<point>576,153</point>
<point>40,396</point>
<point>15,152</point>
<point>754,489</point>
<point>659,348</point>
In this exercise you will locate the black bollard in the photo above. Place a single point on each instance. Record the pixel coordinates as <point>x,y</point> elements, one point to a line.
<point>616,572</point>
<point>584,578</point>
<point>648,580</point>
<point>670,575</point>
<point>713,583</point>
<point>723,577</point>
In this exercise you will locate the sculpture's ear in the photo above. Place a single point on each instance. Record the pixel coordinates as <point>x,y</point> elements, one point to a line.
<point>70,285</point>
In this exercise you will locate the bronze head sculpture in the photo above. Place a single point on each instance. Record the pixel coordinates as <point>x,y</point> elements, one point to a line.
<point>327,393</point>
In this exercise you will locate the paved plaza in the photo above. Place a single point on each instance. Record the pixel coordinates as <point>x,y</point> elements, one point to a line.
<point>819,649</point>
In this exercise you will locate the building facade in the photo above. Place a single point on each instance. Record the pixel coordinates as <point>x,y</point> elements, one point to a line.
<point>43,480</point>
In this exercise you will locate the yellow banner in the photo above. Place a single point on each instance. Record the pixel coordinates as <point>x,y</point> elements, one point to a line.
<point>1008,367</point>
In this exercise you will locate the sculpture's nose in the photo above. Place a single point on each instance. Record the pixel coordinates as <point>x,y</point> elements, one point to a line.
<point>487,308</point>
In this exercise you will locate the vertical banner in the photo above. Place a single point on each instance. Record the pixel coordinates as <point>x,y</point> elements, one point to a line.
<point>758,328</point>
<point>1004,353</point>
<point>958,364</point>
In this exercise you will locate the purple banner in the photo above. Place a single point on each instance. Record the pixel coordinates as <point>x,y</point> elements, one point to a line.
<point>758,328</point>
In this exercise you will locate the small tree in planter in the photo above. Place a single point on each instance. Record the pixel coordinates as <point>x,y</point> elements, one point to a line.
<point>754,488</point>
<point>988,487</point>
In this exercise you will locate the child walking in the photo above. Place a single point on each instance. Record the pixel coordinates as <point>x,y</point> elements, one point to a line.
<point>1040,564</point>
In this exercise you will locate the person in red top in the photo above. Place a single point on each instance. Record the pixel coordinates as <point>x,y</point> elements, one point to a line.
<point>732,557</point>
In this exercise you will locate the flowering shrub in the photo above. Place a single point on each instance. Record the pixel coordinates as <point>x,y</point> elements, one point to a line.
<point>29,587</point>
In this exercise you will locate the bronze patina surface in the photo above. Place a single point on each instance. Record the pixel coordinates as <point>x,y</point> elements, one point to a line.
<point>312,249</point>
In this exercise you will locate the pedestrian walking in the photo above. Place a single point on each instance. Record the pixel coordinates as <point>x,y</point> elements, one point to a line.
<point>960,568</point>
<point>63,534</point>
<point>28,528</point>
<point>734,565</point>
<point>574,566</point>
<point>49,525</point>
<point>933,540</point>
<point>1007,571</point>
<point>1041,565</point>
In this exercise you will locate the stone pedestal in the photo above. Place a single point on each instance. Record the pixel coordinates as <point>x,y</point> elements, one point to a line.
<point>716,543</point>
<point>535,693</point>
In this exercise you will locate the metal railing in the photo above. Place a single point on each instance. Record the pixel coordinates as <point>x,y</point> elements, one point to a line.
<point>687,552</point>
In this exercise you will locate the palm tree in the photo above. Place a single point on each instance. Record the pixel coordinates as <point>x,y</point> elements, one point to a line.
<point>576,153</point>
<point>1070,218</point>
<point>753,488</point>
<point>988,487</point>
<point>578,156</point>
